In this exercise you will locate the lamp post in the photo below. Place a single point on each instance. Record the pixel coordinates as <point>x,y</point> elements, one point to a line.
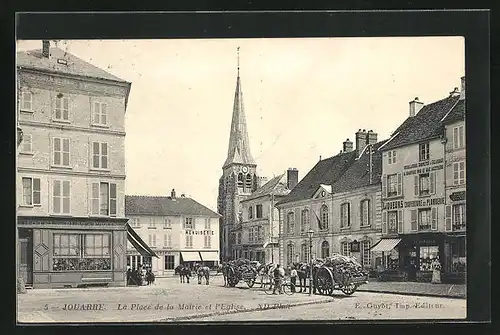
<point>310,234</point>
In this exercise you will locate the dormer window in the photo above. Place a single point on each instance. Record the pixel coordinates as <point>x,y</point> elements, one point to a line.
<point>423,150</point>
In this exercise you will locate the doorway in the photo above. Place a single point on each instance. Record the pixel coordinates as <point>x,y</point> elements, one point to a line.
<point>26,256</point>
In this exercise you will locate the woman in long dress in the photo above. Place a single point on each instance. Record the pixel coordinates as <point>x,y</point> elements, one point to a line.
<point>436,271</point>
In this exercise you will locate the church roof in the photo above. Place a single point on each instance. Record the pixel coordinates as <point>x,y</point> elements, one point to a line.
<point>239,144</point>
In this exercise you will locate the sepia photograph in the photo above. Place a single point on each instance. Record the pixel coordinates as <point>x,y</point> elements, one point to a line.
<point>241,179</point>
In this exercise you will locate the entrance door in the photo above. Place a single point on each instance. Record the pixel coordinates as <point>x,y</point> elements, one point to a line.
<point>26,259</point>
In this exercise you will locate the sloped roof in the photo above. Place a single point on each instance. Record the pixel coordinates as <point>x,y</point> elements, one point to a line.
<point>275,185</point>
<point>33,59</point>
<point>157,205</point>
<point>424,125</point>
<point>456,114</point>
<point>358,175</point>
<point>238,137</point>
<point>326,171</point>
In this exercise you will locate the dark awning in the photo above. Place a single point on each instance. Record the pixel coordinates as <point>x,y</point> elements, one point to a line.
<point>138,243</point>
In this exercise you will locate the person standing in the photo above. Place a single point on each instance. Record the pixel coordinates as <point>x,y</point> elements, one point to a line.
<point>278,273</point>
<point>293,278</point>
<point>436,271</point>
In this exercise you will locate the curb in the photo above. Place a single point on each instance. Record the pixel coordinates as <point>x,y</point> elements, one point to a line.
<point>414,294</point>
<point>255,309</point>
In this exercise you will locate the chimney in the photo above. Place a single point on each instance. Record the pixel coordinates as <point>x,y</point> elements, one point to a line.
<point>415,106</point>
<point>172,194</point>
<point>347,146</point>
<point>292,178</point>
<point>45,48</point>
<point>455,92</point>
<point>371,137</point>
<point>360,140</point>
<point>462,89</point>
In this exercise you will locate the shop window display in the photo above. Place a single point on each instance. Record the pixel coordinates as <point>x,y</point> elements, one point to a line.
<point>427,255</point>
<point>74,252</point>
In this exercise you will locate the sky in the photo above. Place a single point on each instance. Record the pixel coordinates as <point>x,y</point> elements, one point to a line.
<point>303,97</point>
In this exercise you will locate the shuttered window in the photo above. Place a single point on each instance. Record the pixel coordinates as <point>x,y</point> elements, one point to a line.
<point>61,197</point>
<point>104,197</point>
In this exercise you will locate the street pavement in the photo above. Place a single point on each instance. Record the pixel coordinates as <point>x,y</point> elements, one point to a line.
<point>169,300</point>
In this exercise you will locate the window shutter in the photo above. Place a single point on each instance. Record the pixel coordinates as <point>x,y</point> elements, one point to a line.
<point>414,220</point>
<point>96,152</point>
<point>400,183</point>
<point>400,221</point>
<point>112,199</point>
<point>36,191</point>
<point>95,118</point>
<point>384,186</point>
<point>434,219</point>
<point>65,108</point>
<point>184,223</point>
<point>104,114</point>
<point>58,108</point>
<point>432,182</point>
<point>455,138</point>
<point>370,213</point>
<point>447,226</point>
<point>57,151</point>
<point>393,156</point>
<point>154,240</point>
<point>66,197</point>
<point>104,155</point>
<point>415,185</point>
<point>361,213</point>
<point>65,151</point>
<point>56,196</point>
<point>95,199</point>
<point>462,135</point>
<point>384,222</point>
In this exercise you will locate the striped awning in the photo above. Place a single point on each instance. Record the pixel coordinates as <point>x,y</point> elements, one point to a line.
<point>208,256</point>
<point>138,243</point>
<point>386,244</point>
<point>190,256</point>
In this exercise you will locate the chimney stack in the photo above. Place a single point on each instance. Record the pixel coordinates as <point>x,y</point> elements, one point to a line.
<point>360,140</point>
<point>415,106</point>
<point>371,137</point>
<point>292,178</point>
<point>45,48</point>
<point>462,89</point>
<point>172,194</point>
<point>347,146</point>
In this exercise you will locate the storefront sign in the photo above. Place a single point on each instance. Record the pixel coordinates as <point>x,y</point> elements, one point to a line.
<point>424,202</point>
<point>426,242</point>
<point>424,170</point>
<point>199,232</point>
<point>426,163</point>
<point>390,205</point>
<point>398,204</point>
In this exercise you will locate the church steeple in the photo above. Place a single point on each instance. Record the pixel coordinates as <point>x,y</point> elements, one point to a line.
<point>239,144</point>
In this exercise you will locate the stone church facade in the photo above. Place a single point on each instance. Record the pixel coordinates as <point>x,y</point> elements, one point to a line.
<point>239,178</point>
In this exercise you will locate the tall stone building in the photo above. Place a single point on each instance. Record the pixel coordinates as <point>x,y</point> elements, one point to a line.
<point>239,178</point>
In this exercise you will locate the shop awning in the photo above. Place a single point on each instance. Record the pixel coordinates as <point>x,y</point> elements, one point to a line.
<point>190,256</point>
<point>138,243</point>
<point>386,244</point>
<point>208,256</point>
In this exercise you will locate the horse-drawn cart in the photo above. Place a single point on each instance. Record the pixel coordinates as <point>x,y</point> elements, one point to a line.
<point>339,273</point>
<point>241,270</point>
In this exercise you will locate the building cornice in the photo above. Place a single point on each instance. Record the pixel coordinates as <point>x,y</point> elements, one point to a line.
<point>71,173</point>
<point>72,127</point>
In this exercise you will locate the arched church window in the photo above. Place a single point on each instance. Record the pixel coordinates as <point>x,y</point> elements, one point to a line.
<point>248,183</point>
<point>240,180</point>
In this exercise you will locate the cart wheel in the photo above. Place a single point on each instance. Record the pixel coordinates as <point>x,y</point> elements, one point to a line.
<point>287,289</point>
<point>268,288</point>
<point>324,281</point>
<point>349,289</point>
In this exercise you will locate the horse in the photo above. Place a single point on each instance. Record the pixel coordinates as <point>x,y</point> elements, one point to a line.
<point>184,273</point>
<point>203,271</point>
<point>150,277</point>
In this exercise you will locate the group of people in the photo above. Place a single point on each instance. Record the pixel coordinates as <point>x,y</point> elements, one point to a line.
<point>140,276</point>
<point>278,275</point>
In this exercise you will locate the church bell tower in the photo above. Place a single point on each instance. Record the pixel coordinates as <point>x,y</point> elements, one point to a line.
<point>239,177</point>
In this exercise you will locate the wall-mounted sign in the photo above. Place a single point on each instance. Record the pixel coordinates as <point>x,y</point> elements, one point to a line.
<point>424,202</point>
<point>424,170</point>
<point>426,163</point>
<point>355,246</point>
<point>398,204</point>
<point>199,232</point>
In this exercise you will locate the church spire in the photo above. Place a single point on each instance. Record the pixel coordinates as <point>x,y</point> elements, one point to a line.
<point>239,144</point>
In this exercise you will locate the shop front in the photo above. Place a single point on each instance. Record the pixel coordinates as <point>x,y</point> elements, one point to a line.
<point>210,258</point>
<point>71,252</point>
<point>190,258</point>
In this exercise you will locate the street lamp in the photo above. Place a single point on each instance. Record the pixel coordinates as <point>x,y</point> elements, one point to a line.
<point>310,234</point>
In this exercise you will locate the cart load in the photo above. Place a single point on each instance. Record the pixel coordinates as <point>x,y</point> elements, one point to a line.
<point>241,269</point>
<point>339,272</point>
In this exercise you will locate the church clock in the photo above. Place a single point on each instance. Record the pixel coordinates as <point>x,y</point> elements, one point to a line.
<point>244,169</point>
